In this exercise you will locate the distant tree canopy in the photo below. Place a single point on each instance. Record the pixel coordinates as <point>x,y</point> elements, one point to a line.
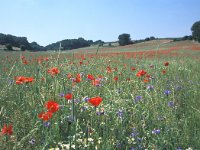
<point>14,41</point>
<point>9,47</point>
<point>187,37</point>
<point>69,44</point>
<point>23,44</point>
<point>124,39</point>
<point>98,42</point>
<point>36,47</point>
<point>20,42</point>
<point>22,47</point>
<point>196,31</point>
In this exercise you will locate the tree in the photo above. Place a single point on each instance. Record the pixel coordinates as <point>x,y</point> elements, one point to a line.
<point>196,31</point>
<point>187,37</point>
<point>23,48</point>
<point>99,42</point>
<point>124,39</point>
<point>9,47</point>
<point>152,38</point>
<point>147,39</point>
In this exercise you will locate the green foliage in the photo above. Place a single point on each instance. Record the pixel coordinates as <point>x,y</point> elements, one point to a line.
<point>147,39</point>
<point>14,41</point>
<point>23,48</point>
<point>152,38</point>
<point>98,42</point>
<point>129,115</point>
<point>124,39</point>
<point>9,47</point>
<point>196,31</point>
<point>187,37</point>
<point>69,44</point>
<point>36,47</point>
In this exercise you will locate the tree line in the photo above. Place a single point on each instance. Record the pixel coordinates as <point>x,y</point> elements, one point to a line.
<point>68,44</point>
<point>21,42</point>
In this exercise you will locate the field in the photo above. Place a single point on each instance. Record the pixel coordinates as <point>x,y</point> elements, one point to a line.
<point>134,97</point>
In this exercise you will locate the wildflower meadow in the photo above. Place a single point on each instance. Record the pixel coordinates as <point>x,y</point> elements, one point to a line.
<point>123,98</point>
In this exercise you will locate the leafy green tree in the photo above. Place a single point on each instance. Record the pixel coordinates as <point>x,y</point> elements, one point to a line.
<point>152,38</point>
<point>9,47</point>
<point>187,37</point>
<point>196,31</point>
<point>99,42</point>
<point>23,48</point>
<point>124,39</point>
<point>147,39</point>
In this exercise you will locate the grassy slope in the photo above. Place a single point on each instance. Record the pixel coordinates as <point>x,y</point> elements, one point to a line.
<point>179,125</point>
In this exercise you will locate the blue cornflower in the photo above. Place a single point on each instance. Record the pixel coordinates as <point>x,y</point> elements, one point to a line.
<point>170,104</point>
<point>84,108</point>
<point>76,101</point>
<point>138,98</point>
<point>61,94</point>
<point>46,124</point>
<point>120,113</point>
<point>167,92</point>
<point>156,131</point>
<point>85,99</point>
<point>32,141</point>
<point>150,87</point>
<point>134,134</point>
<point>178,87</point>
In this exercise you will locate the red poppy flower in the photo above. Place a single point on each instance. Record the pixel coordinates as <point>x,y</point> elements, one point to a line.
<point>163,71</point>
<point>78,78</point>
<point>133,69</point>
<point>22,57</point>
<point>25,62</point>
<point>166,63</point>
<point>7,129</point>
<point>20,79</point>
<point>90,77</point>
<point>109,70</point>
<point>96,82</point>
<point>69,75</point>
<point>29,79</point>
<point>116,78</point>
<point>95,101</point>
<point>45,116</point>
<point>146,80</point>
<point>141,73</point>
<point>69,96</point>
<point>148,76</point>
<point>52,106</point>
<point>100,76</point>
<point>53,71</point>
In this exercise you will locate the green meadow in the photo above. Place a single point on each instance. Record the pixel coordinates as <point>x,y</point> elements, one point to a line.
<point>119,97</point>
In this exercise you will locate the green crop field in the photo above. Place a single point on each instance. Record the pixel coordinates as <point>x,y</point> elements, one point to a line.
<point>140,96</point>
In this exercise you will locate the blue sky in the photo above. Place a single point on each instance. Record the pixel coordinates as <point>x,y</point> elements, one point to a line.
<point>48,21</point>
